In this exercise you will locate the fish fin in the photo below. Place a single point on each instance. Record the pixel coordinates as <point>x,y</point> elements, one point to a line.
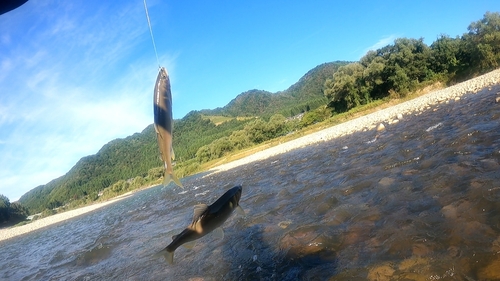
<point>169,256</point>
<point>172,153</point>
<point>198,211</point>
<point>219,233</point>
<point>189,245</point>
<point>240,210</point>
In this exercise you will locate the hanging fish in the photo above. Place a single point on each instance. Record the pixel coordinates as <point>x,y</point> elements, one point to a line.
<point>205,220</point>
<point>164,124</point>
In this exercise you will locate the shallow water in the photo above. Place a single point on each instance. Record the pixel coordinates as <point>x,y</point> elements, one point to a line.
<point>418,201</point>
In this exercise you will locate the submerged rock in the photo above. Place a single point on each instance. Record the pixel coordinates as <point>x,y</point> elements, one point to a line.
<point>496,245</point>
<point>284,224</point>
<point>414,263</point>
<point>381,273</point>
<point>386,181</point>
<point>491,271</point>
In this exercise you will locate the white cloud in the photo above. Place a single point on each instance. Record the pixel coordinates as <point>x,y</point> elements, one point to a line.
<point>381,43</point>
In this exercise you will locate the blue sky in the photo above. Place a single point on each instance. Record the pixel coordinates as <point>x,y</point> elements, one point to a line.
<point>77,74</point>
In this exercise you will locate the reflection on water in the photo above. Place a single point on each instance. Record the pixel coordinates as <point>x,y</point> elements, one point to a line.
<point>420,201</point>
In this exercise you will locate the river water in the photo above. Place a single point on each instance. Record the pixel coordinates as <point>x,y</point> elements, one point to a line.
<point>418,201</point>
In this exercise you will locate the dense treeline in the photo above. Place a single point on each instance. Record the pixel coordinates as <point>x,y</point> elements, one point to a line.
<point>330,88</point>
<point>193,131</point>
<point>255,132</point>
<point>410,64</point>
<point>11,213</point>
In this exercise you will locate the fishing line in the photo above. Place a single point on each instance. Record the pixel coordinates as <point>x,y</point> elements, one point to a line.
<point>151,32</point>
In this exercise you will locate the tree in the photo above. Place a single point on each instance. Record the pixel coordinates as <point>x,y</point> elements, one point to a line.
<point>18,212</point>
<point>407,65</point>
<point>4,208</point>
<point>344,90</point>
<point>315,116</point>
<point>257,131</point>
<point>444,55</point>
<point>482,42</point>
<point>155,173</point>
<point>276,126</point>
<point>240,139</point>
<point>203,154</point>
<point>220,147</point>
<point>373,76</point>
<point>12,212</point>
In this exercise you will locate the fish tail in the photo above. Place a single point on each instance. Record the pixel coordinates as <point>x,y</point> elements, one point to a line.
<point>171,177</point>
<point>176,180</point>
<point>166,179</point>
<point>168,255</point>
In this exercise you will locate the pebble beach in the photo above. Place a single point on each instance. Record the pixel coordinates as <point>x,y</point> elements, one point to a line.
<point>373,121</point>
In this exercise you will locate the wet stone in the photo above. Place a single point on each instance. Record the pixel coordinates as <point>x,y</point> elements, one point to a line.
<point>454,251</point>
<point>413,263</point>
<point>490,164</point>
<point>421,250</point>
<point>449,212</point>
<point>382,272</point>
<point>359,232</point>
<point>386,181</point>
<point>412,276</point>
<point>491,271</point>
<point>496,246</point>
<point>322,208</point>
<point>284,224</point>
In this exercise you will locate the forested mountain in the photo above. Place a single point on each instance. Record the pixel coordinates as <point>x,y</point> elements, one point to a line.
<point>331,88</point>
<point>306,94</point>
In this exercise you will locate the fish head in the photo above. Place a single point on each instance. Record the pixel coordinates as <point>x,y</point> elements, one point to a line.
<point>163,72</point>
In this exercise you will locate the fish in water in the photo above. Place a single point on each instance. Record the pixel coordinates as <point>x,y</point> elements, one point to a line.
<point>205,220</point>
<point>163,123</point>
